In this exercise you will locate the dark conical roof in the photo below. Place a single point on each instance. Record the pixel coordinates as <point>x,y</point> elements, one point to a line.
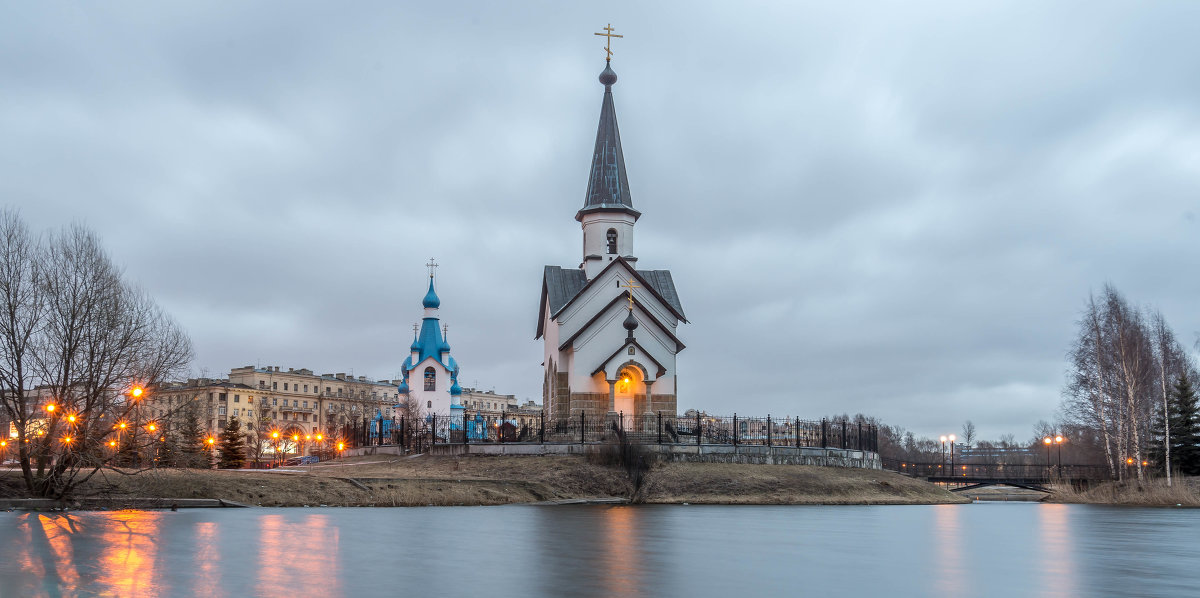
<point>608,187</point>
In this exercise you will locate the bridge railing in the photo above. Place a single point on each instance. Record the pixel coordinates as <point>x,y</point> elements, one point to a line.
<point>998,471</point>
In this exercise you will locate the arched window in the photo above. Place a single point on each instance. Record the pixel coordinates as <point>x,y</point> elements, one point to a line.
<point>612,240</point>
<point>430,379</point>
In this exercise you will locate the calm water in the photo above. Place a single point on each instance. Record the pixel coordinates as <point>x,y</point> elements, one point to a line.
<point>952,550</point>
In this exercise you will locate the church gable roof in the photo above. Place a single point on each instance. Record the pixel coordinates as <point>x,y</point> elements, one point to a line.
<point>644,354</point>
<point>624,296</point>
<point>651,280</point>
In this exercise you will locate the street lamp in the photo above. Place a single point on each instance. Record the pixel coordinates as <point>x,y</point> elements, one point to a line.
<point>136,392</point>
<point>943,439</point>
<point>1047,441</point>
<point>1059,439</point>
<point>952,438</point>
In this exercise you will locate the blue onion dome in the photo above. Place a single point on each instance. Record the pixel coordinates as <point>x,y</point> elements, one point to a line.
<point>403,388</point>
<point>455,389</point>
<point>444,346</point>
<point>407,363</point>
<point>416,346</point>
<point>431,298</point>
<point>608,76</point>
<point>453,367</point>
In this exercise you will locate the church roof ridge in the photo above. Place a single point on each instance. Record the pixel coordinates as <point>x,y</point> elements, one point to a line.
<point>608,185</point>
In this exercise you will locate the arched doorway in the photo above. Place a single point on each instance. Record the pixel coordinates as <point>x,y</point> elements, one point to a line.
<point>630,382</point>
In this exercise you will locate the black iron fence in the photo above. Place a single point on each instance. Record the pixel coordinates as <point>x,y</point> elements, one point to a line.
<point>484,427</point>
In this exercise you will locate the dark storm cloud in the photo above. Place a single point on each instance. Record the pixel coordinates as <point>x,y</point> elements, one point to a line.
<point>890,209</point>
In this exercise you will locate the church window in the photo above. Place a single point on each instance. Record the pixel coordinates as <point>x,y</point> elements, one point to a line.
<point>612,240</point>
<point>430,379</point>
<point>429,404</point>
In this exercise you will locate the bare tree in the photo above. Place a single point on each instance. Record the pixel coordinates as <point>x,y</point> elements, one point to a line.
<point>76,338</point>
<point>968,433</point>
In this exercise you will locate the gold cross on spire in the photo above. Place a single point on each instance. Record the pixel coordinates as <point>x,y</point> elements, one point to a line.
<point>432,265</point>
<point>631,286</point>
<point>608,44</point>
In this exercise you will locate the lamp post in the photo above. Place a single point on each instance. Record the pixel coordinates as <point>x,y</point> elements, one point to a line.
<point>210,441</point>
<point>943,467</point>
<point>951,438</point>
<point>274,447</point>
<point>1059,440</point>
<point>1047,441</point>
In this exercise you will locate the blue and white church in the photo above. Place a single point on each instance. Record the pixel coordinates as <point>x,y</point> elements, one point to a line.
<point>608,326</point>
<point>429,374</point>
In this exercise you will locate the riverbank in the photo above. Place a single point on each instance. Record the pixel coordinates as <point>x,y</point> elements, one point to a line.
<point>1184,492</point>
<point>446,481</point>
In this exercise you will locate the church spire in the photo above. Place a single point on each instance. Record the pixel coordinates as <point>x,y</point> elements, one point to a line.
<point>608,187</point>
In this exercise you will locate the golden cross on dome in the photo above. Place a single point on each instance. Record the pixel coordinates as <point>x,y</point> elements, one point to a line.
<point>432,265</point>
<point>631,286</point>
<point>608,44</point>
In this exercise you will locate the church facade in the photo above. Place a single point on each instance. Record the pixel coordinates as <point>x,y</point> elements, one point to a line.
<point>430,374</point>
<point>608,327</point>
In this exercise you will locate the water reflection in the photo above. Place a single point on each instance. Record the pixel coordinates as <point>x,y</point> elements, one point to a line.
<point>130,545</point>
<point>1056,543</point>
<point>949,574</point>
<point>953,550</point>
<point>298,558</point>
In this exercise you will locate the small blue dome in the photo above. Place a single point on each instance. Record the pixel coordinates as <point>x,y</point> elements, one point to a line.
<point>453,367</point>
<point>444,347</point>
<point>431,298</point>
<point>455,389</point>
<point>416,346</point>
<point>403,388</point>
<point>408,363</point>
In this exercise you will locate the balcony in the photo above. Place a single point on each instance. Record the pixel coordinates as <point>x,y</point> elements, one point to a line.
<point>289,408</point>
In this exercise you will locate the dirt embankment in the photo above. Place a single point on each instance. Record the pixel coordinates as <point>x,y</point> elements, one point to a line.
<point>481,480</point>
<point>1183,492</point>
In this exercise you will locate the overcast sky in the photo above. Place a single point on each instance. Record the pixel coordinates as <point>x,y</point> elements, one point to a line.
<point>890,208</point>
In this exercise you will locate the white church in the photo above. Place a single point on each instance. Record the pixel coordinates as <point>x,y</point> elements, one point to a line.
<point>609,328</point>
<point>430,374</point>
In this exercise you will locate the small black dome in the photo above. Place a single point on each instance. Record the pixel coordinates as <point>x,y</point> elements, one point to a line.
<point>608,76</point>
<point>630,322</point>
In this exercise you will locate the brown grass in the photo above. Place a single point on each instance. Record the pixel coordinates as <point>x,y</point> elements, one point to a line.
<point>1149,493</point>
<point>729,483</point>
<point>488,480</point>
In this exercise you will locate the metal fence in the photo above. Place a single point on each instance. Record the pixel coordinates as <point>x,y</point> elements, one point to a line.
<point>481,427</point>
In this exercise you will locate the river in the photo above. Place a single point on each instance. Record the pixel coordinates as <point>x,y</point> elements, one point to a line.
<point>729,551</point>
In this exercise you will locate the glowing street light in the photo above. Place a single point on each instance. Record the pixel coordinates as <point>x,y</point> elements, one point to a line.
<point>137,392</point>
<point>50,408</point>
<point>150,427</point>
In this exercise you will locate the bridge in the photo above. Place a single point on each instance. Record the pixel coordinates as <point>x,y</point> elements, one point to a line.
<point>967,476</point>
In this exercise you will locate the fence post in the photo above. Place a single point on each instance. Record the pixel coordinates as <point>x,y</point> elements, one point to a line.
<point>734,429</point>
<point>621,421</point>
<point>860,437</point>
<point>843,435</point>
<point>581,428</point>
<point>660,427</point>
<point>500,428</point>
<point>542,430</point>
<point>797,432</point>
<point>768,429</point>
<point>697,428</point>
<point>824,433</point>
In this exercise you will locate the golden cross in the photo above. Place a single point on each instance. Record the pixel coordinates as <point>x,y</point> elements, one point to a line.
<point>432,265</point>
<point>629,285</point>
<point>608,44</point>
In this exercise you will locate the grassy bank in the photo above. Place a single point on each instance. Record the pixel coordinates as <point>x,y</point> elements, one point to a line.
<point>1151,493</point>
<point>480,480</point>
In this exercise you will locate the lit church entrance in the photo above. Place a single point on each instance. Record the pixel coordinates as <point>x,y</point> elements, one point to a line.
<point>629,384</point>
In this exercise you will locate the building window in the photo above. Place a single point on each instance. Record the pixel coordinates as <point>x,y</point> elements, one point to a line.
<point>305,388</point>
<point>237,398</point>
<point>274,402</point>
<point>222,397</point>
<point>295,403</point>
<point>285,385</point>
<point>429,404</point>
<point>262,384</point>
<point>221,410</point>
<point>306,404</point>
<point>430,379</point>
<point>249,399</point>
<point>274,386</point>
<point>612,240</point>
